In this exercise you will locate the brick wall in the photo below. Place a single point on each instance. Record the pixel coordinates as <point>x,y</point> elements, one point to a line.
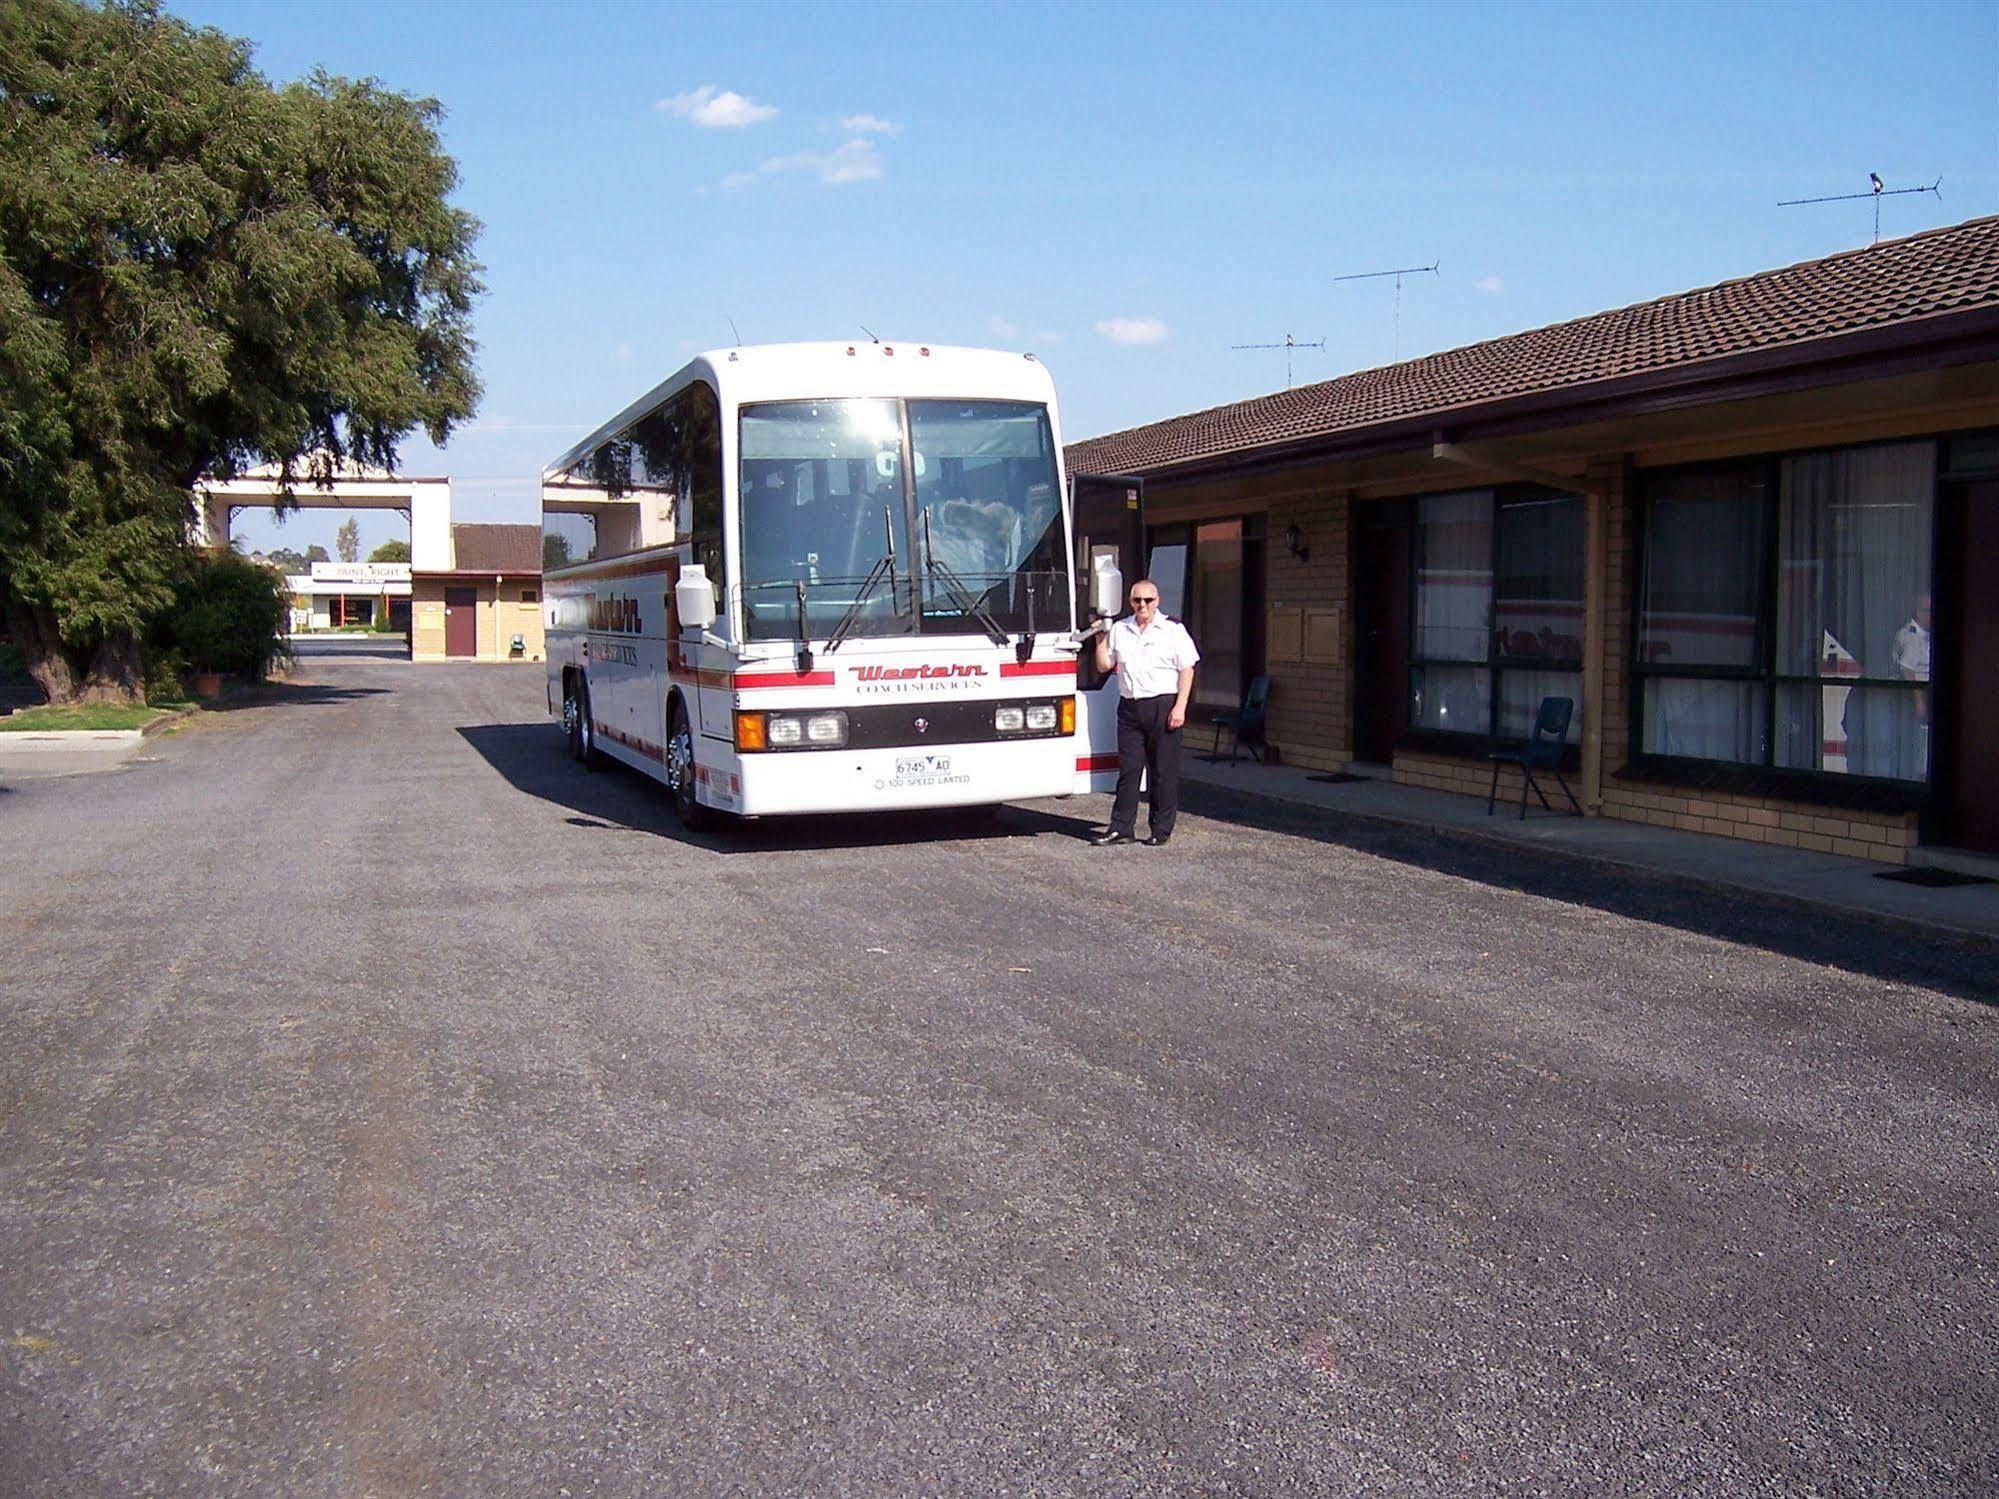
<point>1311,702</point>
<point>1885,837</point>
<point>1620,593</point>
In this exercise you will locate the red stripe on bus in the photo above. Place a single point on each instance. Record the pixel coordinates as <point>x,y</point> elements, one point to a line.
<point>1096,762</point>
<point>1037,668</point>
<point>745,680</point>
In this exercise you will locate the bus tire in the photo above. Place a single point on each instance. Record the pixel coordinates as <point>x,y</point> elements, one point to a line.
<point>582,731</point>
<point>680,773</point>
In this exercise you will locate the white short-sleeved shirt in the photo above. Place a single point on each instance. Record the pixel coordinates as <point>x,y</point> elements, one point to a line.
<point>1912,652</point>
<point>1149,661</point>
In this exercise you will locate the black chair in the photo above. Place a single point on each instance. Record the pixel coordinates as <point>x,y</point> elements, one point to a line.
<point>1246,723</point>
<point>1542,751</point>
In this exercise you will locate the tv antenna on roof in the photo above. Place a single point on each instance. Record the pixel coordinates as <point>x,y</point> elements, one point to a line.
<point>1287,346</point>
<point>1407,270</point>
<point>1877,190</point>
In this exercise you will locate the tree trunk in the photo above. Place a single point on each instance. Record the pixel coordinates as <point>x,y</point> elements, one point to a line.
<point>116,674</point>
<point>39,641</point>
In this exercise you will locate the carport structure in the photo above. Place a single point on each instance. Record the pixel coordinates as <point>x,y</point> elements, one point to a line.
<point>424,502</point>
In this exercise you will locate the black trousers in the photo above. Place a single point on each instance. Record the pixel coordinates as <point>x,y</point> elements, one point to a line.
<point>1144,743</point>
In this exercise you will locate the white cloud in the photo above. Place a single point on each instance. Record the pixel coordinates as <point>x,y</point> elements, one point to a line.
<point>1490,284</point>
<point>1133,330</point>
<point>869,125</point>
<point>856,161</point>
<point>1002,329</point>
<point>715,108</point>
<point>622,354</point>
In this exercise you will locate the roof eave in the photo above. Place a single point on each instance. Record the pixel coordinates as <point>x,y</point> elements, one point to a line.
<point>1935,341</point>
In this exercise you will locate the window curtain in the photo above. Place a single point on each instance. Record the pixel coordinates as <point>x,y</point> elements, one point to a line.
<point>1700,610</point>
<point>1453,613</point>
<point>1853,607</point>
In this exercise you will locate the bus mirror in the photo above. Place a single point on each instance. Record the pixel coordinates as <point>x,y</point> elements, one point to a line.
<point>1106,586</point>
<point>694,598</point>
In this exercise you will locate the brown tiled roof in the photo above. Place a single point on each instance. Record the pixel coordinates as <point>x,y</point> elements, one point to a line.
<point>1899,281</point>
<point>514,550</point>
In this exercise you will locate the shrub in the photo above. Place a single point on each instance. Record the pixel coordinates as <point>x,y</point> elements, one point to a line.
<point>166,672</point>
<point>228,615</point>
<point>382,624</point>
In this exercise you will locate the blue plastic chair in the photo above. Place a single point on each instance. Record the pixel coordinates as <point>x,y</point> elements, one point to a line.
<point>1247,724</point>
<point>1542,751</point>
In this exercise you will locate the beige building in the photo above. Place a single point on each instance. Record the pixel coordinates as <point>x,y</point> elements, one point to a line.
<point>486,606</point>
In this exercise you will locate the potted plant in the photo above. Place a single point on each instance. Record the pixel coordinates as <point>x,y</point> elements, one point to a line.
<point>203,630</point>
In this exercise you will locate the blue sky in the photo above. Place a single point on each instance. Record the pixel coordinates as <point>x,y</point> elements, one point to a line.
<point>1126,190</point>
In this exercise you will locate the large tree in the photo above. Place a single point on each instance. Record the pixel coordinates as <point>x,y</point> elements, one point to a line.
<point>198,272</point>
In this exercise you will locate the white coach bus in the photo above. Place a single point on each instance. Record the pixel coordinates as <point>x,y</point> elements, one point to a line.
<point>831,578</point>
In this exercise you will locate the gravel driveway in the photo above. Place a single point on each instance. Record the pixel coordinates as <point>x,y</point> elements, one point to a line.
<point>388,1106</point>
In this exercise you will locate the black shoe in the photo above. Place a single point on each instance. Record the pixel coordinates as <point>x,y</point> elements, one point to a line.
<point>1109,837</point>
<point>1158,840</point>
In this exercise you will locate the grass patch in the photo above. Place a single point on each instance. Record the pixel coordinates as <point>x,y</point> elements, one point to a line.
<point>53,720</point>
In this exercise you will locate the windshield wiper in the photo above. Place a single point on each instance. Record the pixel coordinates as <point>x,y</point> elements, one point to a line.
<point>953,585</point>
<point>884,568</point>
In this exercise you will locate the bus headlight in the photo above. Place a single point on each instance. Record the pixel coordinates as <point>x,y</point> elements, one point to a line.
<point>785,732</point>
<point>827,729</point>
<point>1009,719</point>
<point>1041,718</point>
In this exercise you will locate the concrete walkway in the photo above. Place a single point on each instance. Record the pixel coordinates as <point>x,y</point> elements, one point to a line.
<point>1823,882</point>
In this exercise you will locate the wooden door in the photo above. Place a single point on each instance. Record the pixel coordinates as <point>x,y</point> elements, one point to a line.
<point>1968,662</point>
<point>1380,560</point>
<point>461,621</point>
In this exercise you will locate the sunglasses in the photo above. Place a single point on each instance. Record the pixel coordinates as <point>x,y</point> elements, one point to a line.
<point>1148,600</point>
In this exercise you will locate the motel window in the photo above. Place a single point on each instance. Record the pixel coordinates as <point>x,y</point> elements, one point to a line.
<point>1498,610</point>
<point>1784,612</point>
<point>530,595</point>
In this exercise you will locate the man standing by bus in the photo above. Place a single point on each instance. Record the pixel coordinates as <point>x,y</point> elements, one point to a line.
<point>1154,659</point>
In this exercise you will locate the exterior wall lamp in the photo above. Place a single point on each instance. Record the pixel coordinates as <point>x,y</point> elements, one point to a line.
<point>1295,540</point>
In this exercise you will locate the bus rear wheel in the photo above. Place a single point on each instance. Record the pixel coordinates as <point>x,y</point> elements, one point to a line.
<point>582,733</point>
<point>680,774</point>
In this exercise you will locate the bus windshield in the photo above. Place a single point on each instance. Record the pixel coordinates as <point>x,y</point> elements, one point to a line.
<point>832,522</point>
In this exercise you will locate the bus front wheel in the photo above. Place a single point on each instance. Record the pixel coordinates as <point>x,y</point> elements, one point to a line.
<point>680,774</point>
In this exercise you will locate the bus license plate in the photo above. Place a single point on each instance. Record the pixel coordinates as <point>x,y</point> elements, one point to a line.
<point>924,765</point>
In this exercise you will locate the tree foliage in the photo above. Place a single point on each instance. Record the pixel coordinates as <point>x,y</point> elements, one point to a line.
<point>391,551</point>
<point>198,272</point>
<point>347,540</point>
<point>288,560</point>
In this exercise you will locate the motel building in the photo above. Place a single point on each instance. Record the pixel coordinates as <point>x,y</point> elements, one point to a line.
<point>337,595</point>
<point>484,602</point>
<point>1751,531</point>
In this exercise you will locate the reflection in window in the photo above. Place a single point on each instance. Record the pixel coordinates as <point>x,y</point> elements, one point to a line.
<point>1454,576</point>
<point>821,500</point>
<point>1704,560</point>
<point>566,537</point>
<point>987,502</point>
<point>1837,679</point>
<point>1499,610</point>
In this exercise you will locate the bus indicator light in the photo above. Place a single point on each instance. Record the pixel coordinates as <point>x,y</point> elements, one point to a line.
<point>750,733</point>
